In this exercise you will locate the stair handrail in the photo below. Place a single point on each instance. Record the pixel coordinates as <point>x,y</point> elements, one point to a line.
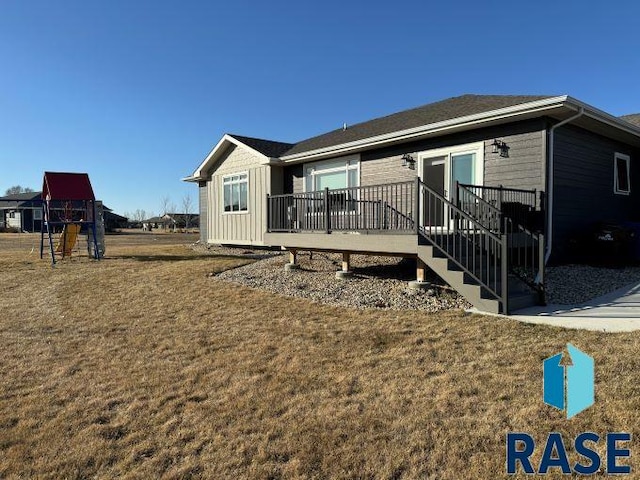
<point>537,282</point>
<point>500,243</point>
<point>492,208</point>
<point>510,226</point>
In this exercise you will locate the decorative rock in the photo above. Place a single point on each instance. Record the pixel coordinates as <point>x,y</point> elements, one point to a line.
<point>382,283</point>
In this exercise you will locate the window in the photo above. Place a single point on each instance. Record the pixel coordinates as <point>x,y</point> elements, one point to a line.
<point>335,174</point>
<point>235,190</point>
<point>622,180</point>
<point>37,214</point>
<point>332,174</point>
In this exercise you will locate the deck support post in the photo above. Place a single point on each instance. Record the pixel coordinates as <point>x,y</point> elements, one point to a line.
<point>293,260</point>
<point>346,264</point>
<point>420,282</point>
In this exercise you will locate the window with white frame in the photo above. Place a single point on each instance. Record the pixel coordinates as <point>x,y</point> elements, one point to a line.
<point>235,192</point>
<point>622,179</point>
<point>338,174</point>
<point>332,174</point>
<point>37,214</point>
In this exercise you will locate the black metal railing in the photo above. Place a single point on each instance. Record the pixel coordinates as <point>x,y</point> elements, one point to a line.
<point>519,218</point>
<point>379,207</point>
<point>465,241</point>
<point>526,256</point>
<point>525,207</point>
<point>480,209</point>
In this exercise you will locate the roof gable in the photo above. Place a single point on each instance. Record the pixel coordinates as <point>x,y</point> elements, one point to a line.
<point>265,150</point>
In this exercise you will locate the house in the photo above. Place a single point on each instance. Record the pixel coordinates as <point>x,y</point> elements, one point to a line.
<point>21,211</point>
<point>485,190</point>
<point>113,221</point>
<point>172,221</point>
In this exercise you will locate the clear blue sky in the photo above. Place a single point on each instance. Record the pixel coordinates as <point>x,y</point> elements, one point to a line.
<point>137,92</point>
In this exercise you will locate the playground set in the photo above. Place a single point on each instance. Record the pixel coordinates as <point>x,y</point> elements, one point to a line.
<point>70,211</point>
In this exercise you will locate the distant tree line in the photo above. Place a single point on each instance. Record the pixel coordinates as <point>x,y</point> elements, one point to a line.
<point>17,189</point>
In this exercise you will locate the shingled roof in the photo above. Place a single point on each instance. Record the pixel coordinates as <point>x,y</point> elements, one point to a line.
<point>427,114</point>
<point>634,118</point>
<point>266,147</point>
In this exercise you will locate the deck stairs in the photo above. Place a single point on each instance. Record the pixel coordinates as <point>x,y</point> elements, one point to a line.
<point>480,251</point>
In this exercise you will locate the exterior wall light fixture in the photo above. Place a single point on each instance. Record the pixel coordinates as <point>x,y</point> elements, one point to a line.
<point>500,147</point>
<point>408,161</point>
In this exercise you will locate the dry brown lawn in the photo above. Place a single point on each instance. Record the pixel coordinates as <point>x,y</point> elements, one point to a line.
<point>144,366</point>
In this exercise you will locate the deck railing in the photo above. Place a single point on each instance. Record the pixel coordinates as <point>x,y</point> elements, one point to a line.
<point>379,207</point>
<point>472,232</point>
<point>524,207</point>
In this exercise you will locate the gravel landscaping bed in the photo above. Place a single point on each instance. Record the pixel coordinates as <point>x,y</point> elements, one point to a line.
<point>574,284</point>
<point>382,282</point>
<point>378,282</point>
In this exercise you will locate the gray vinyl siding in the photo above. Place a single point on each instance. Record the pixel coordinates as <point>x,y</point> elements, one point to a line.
<point>202,200</point>
<point>378,171</point>
<point>240,228</point>
<point>584,183</point>
<point>524,168</point>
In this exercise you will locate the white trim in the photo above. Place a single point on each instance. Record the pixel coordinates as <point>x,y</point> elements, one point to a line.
<point>228,175</point>
<point>627,160</point>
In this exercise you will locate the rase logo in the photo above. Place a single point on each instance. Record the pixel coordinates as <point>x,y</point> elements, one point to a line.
<point>568,385</point>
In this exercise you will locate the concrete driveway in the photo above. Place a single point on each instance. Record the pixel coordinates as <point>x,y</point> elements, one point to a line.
<point>618,311</point>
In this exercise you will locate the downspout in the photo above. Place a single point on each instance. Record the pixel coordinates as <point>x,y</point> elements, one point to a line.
<point>550,170</point>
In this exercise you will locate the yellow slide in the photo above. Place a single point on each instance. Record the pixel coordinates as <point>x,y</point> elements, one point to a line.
<point>69,237</point>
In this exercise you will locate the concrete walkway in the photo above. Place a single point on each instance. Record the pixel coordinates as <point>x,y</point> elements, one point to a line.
<point>618,311</point>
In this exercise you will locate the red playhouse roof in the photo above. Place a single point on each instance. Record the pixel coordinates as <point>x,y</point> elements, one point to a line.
<point>66,186</point>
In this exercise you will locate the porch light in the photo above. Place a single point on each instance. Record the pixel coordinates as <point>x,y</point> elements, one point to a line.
<point>500,147</point>
<point>408,161</point>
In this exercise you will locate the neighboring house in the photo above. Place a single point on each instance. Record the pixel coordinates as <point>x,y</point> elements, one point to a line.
<point>22,211</point>
<point>172,221</point>
<point>479,188</point>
